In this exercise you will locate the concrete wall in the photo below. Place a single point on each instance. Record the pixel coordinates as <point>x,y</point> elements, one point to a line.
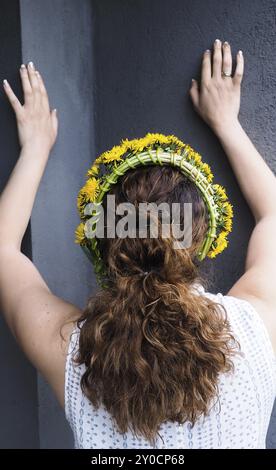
<point>57,36</point>
<point>120,68</point>
<point>18,391</point>
<point>146,54</point>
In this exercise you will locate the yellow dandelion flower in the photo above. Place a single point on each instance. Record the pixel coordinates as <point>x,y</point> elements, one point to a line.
<point>220,191</point>
<point>87,193</point>
<point>151,137</point>
<point>221,240</point>
<point>90,189</point>
<point>137,145</point>
<point>98,160</point>
<point>228,208</point>
<point>154,138</point>
<point>205,167</point>
<point>194,156</point>
<point>93,171</point>
<point>81,201</point>
<point>221,243</point>
<point>114,154</point>
<point>188,153</point>
<point>174,140</point>
<point>163,139</point>
<point>125,145</point>
<point>80,235</point>
<point>125,142</point>
<point>228,224</point>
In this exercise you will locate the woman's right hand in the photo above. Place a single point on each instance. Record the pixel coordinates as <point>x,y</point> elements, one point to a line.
<point>36,122</point>
<point>217,99</point>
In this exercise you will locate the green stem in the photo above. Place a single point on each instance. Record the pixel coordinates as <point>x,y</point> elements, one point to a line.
<point>174,159</point>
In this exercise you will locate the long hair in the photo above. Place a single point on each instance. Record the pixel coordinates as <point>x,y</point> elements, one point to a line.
<point>154,347</point>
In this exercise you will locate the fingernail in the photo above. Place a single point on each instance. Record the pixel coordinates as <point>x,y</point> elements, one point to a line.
<point>226,43</point>
<point>31,65</point>
<point>55,110</point>
<point>217,41</point>
<point>193,80</point>
<point>240,52</point>
<point>22,66</point>
<point>207,51</point>
<point>5,82</point>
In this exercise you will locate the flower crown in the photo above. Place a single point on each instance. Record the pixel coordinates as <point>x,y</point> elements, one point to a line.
<point>154,149</point>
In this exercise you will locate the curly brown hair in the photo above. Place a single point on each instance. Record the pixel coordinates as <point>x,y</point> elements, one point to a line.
<point>153,347</point>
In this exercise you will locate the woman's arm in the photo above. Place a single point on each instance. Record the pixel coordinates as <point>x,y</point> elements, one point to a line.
<point>218,103</point>
<point>33,313</point>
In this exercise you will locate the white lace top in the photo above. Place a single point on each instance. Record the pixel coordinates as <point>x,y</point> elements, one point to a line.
<point>240,418</point>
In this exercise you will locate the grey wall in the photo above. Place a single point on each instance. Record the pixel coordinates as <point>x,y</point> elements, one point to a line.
<point>18,391</point>
<point>57,37</point>
<point>146,54</point>
<point>120,68</point>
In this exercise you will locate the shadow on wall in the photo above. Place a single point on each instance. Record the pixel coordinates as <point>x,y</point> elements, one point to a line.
<point>146,54</point>
<point>18,396</point>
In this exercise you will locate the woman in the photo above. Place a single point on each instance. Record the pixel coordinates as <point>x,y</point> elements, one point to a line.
<point>199,371</point>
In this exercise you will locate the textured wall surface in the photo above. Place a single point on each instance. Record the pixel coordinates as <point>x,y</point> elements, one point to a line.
<point>146,54</point>
<point>114,69</point>
<point>57,36</point>
<point>18,391</point>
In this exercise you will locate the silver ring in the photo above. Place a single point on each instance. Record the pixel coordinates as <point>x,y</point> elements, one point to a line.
<point>226,74</point>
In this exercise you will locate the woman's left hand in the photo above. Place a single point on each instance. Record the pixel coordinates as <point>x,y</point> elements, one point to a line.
<point>36,123</point>
<point>217,99</point>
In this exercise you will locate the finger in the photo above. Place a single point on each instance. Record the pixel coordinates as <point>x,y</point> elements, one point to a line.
<point>41,83</point>
<point>54,120</point>
<point>33,80</point>
<point>27,89</point>
<point>14,101</point>
<point>227,58</point>
<point>238,76</point>
<point>194,93</point>
<point>43,91</point>
<point>206,68</point>
<point>217,59</point>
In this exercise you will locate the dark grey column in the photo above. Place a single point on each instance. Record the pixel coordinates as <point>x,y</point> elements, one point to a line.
<point>18,391</point>
<point>57,37</point>
<point>146,54</point>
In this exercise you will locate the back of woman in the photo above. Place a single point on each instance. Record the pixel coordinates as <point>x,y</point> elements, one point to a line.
<point>238,417</point>
<point>154,359</point>
<point>178,365</point>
